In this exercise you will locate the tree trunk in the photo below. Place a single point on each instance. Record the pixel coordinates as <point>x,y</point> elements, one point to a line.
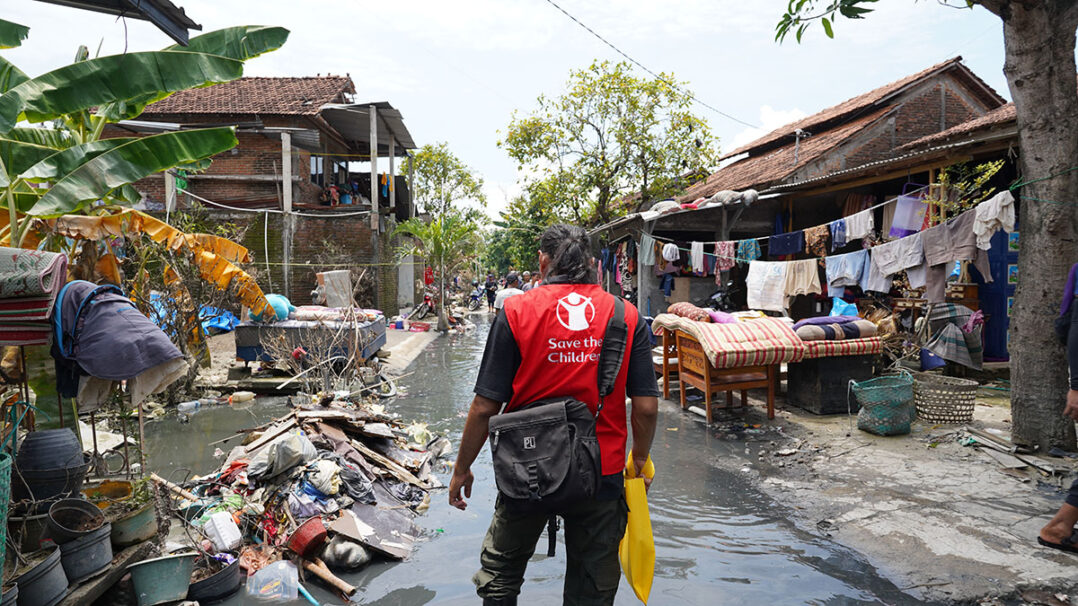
<point>443,320</point>
<point>1040,68</point>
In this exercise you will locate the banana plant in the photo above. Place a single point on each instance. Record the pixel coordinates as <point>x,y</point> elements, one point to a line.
<point>65,166</point>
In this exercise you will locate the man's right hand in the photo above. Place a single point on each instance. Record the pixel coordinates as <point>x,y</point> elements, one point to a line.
<point>456,483</point>
<point>1072,405</point>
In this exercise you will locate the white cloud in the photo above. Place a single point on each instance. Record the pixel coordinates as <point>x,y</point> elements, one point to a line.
<point>770,119</point>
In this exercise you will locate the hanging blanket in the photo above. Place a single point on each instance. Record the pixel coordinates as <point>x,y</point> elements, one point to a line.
<point>750,343</point>
<point>31,273</point>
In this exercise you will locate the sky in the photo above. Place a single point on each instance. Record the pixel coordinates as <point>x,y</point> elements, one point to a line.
<point>458,70</point>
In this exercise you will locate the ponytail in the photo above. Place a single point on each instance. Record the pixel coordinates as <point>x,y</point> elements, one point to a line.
<point>570,254</point>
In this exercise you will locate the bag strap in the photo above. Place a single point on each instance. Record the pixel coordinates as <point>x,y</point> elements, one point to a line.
<point>612,354</point>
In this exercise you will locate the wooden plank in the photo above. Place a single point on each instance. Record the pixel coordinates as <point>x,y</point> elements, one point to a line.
<point>93,588</point>
<point>271,434</point>
<point>1006,461</point>
<point>399,472</point>
<point>388,531</point>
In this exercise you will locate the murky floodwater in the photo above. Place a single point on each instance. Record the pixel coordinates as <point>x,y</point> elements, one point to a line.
<point>718,539</point>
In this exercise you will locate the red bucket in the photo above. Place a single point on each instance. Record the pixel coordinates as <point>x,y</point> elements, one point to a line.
<point>308,538</point>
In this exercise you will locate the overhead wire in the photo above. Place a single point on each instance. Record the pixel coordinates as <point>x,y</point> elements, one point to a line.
<point>659,77</point>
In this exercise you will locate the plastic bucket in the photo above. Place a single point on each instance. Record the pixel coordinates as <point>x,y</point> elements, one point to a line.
<point>86,556</point>
<point>44,584</point>
<point>29,528</point>
<point>135,527</point>
<point>308,538</point>
<point>70,519</point>
<point>10,596</point>
<point>108,492</point>
<point>217,587</point>
<point>162,580</point>
<point>50,449</point>
<point>46,484</point>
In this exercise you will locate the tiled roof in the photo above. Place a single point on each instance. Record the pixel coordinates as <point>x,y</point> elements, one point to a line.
<point>777,164</point>
<point>266,96</point>
<point>867,100</point>
<point>997,117</point>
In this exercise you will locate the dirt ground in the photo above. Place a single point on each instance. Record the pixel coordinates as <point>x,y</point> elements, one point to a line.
<point>944,521</point>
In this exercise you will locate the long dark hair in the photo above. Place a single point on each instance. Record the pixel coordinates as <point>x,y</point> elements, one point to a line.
<point>570,254</point>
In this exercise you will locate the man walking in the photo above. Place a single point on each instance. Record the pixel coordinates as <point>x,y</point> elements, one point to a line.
<point>512,289</point>
<point>545,344</point>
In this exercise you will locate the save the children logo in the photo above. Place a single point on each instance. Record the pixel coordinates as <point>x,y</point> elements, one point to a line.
<point>575,311</point>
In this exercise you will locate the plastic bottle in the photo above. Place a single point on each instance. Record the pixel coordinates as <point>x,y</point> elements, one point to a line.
<point>241,396</point>
<point>188,406</point>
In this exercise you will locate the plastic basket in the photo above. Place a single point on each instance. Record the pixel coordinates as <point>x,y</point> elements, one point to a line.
<point>944,400</point>
<point>886,404</point>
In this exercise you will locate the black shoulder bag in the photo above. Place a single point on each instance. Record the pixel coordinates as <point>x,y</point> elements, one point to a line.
<point>546,454</point>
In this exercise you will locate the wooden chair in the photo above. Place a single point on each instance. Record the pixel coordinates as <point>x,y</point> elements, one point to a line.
<point>664,360</point>
<point>696,370</point>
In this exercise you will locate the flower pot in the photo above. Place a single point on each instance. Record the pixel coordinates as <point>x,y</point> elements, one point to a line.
<point>50,449</point>
<point>10,596</point>
<point>108,492</point>
<point>163,579</point>
<point>44,584</point>
<point>86,556</point>
<point>218,586</point>
<point>70,519</point>
<point>28,527</point>
<point>46,484</point>
<point>135,527</point>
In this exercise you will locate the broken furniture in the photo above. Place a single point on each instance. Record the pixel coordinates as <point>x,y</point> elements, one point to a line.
<point>819,382</point>
<point>363,338</point>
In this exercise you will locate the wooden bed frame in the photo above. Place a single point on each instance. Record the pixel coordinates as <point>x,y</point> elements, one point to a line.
<point>696,370</point>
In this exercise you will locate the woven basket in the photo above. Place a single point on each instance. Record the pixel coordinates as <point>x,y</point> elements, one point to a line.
<point>886,404</point>
<point>944,400</point>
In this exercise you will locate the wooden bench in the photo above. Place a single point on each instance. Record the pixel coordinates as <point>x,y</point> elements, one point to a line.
<point>664,360</point>
<point>696,370</point>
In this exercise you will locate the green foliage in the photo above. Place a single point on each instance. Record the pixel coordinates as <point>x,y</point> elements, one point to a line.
<point>12,34</point>
<point>800,13</point>
<point>611,134</point>
<point>516,241</point>
<point>70,162</point>
<point>442,180</point>
<point>446,241</point>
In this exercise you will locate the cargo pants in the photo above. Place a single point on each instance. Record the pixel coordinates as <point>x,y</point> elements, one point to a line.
<point>592,529</point>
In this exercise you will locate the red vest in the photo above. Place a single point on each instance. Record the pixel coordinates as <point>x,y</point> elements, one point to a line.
<point>559,329</point>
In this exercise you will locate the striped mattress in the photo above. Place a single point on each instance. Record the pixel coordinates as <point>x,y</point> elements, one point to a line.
<point>843,347</point>
<point>757,342</point>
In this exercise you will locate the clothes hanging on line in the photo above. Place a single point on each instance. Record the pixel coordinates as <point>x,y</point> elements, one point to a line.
<point>670,252</point>
<point>859,225</point>
<point>725,255</point>
<point>873,279</point>
<point>786,244</point>
<point>844,270</point>
<point>838,234</point>
<point>748,251</point>
<point>816,240</point>
<point>953,240</point>
<point>647,250</point>
<point>697,257</point>
<point>802,278</point>
<point>766,285</point>
<point>909,216</point>
<point>902,254</point>
<point>992,215</point>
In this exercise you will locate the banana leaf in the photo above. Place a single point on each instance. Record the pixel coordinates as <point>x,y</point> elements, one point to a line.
<point>241,43</point>
<point>12,34</point>
<point>147,75</point>
<point>10,76</point>
<point>49,137</point>
<point>16,157</point>
<point>128,163</point>
<point>63,162</point>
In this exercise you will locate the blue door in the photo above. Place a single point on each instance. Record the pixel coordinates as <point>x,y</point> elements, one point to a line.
<point>997,298</point>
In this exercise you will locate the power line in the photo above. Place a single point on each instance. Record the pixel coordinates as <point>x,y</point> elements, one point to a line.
<point>643,67</point>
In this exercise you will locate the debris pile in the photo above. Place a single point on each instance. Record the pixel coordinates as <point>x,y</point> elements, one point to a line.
<point>330,485</point>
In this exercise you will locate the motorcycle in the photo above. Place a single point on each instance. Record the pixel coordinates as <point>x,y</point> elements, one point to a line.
<point>476,298</point>
<point>425,308</point>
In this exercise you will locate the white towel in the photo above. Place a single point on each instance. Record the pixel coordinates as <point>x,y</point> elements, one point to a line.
<point>696,257</point>
<point>859,225</point>
<point>994,214</point>
<point>766,285</point>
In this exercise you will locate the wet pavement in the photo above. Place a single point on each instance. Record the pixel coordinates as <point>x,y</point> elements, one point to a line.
<point>718,539</point>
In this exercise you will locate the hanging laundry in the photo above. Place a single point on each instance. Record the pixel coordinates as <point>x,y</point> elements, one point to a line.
<point>802,278</point>
<point>909,216</point>
<point>953,240</point>
<point>671,252</point>
<point>838,234</point>
<point>630,248</point>
<point>897,255</point>
<point>859,225</point>
<point>726,254</point>
<point>696,257</point>
<point>816,240</point>
<point>647,250</point>
<point>666,282</point>
<point>748,251</point>
<point>786,244</point>
<point>766,285</point>
<point>844,270</point>
<point>873,279</point>
<point>992,215</point>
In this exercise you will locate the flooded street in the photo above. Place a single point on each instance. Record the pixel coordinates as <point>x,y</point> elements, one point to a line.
<point>718,539</point>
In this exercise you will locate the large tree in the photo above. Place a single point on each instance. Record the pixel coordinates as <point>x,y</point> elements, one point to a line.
<point>447,241</point>
<point>612,134</point>
<point>1039,39</point>
<point>443,181</point>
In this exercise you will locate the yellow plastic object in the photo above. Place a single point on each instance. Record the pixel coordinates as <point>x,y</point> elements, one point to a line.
<point>637,549</point>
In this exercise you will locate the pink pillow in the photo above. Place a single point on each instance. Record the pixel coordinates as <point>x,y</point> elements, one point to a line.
<point>721,317</point>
